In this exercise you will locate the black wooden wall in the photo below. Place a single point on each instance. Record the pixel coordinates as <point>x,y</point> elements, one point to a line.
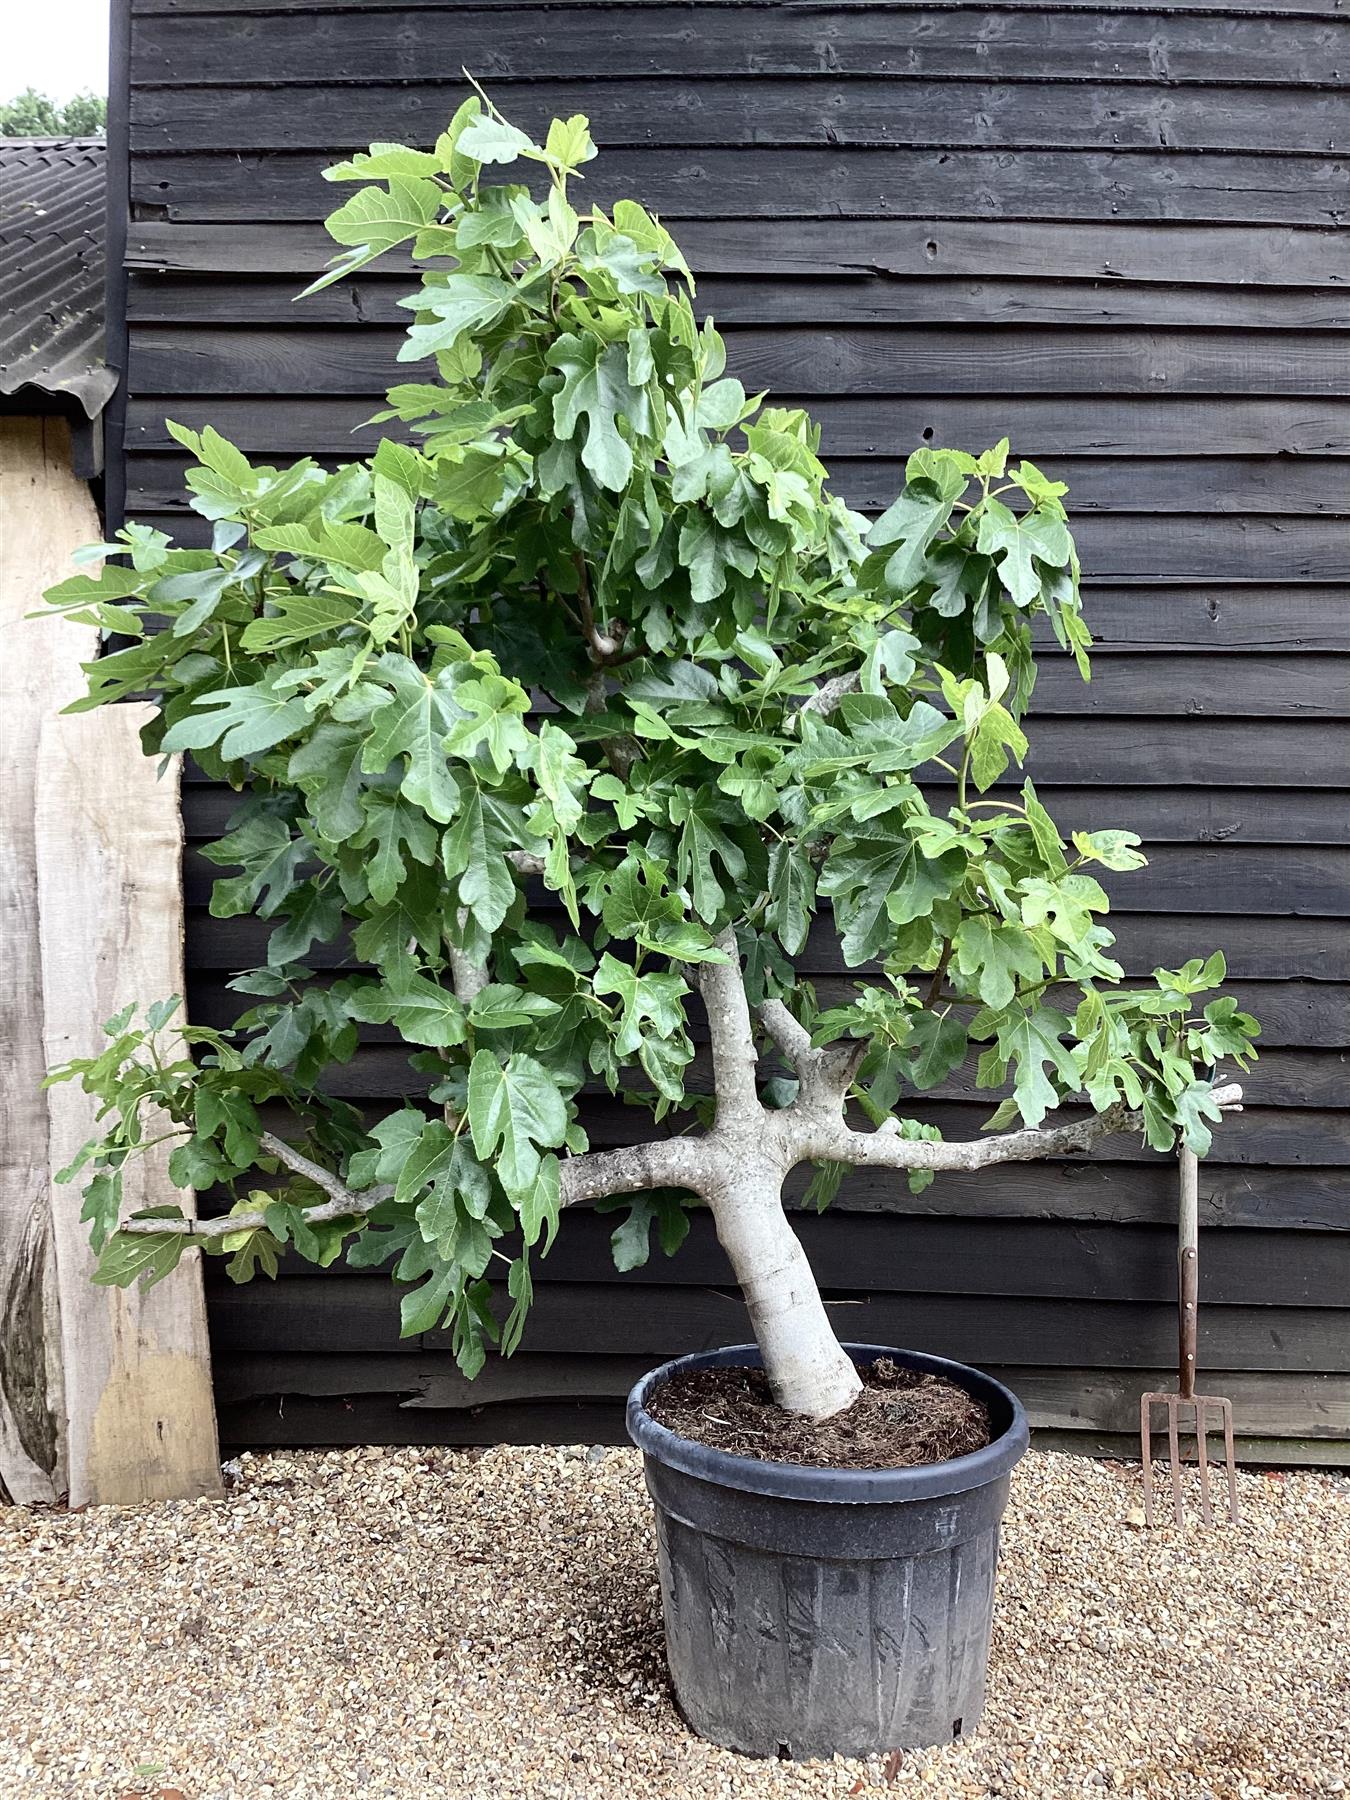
<point>1117,235</point>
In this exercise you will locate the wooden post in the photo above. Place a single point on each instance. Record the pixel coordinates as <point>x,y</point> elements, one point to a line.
<point>48,513</point>
<point>106,1392</point>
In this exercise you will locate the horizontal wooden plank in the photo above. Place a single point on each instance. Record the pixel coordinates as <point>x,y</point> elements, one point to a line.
<point>300,1421</point>
<point>1292,815</point>
<point>1269,486</point>
<point>1296,1076</point>
<point>1318,951</point>
<point>1046,427</point>
<point>1254,686</point>
<point>1098,1189</point>
<point>1261,1136</point>
<point>156,297</point>
<point>1247,256</point>
<point>1000,1257</point>
<point>1011,1257</point>
<point>1275,952</point>
<point>1185,753</point>
<point>1216,618</point>
<point>807,360</point>
<point>521,44</point>
<point>1265,879</point>
<point>1258,1453</point>
<point>1068,1399</point>
<point>1095,1189</point>
<point>1311,9</point>
<point>1113,548</point>
<point>1207,187</point>
<point>836,109</point>
<point>350,1313</point>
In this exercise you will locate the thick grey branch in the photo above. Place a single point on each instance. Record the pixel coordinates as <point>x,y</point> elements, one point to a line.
<point>469,977</point>
<point>667,1162</point>
<point>663,1163</point>
<point>343,1202</point>
<point>733,1041</point>
<point>826,1074</point>
<point>828,695</point>
<point>883,1149</point>
<point>792,1039</point>
<point>323,1178</point>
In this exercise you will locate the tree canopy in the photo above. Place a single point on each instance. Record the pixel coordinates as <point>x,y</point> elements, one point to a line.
<point>582,684</point>
<point>31,114</point>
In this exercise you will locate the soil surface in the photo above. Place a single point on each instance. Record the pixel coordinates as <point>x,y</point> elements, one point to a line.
<point>902,1418</point>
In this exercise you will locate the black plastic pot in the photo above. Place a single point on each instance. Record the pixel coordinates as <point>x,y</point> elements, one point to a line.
<point>821,1612</point>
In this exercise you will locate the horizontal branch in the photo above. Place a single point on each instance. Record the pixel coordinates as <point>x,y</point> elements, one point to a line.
<point>667,1162</point>
<point>682,1162</point>
<point>886,1149</point>
<point>342,1203</point>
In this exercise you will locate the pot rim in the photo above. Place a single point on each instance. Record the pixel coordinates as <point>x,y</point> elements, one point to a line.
<point>792,1481</point>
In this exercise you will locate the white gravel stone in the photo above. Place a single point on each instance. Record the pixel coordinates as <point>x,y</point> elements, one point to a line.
<point>418,1624</point>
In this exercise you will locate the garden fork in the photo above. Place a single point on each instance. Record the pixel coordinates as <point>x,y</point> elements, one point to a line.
<point>1188,1288</point>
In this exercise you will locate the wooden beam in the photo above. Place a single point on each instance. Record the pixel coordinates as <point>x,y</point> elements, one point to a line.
<point>139,1409</point>
<point>104,1396</point>
<point>47,513</point>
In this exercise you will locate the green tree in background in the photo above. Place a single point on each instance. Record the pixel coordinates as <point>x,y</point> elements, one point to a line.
<point>36,115</point>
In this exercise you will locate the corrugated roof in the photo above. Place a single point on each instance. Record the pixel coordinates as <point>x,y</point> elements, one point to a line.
<point>52,267</point>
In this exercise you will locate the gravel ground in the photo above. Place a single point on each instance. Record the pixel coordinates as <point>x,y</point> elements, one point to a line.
<point>413,1624</point>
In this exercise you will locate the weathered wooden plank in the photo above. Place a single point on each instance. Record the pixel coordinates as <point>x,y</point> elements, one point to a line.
<point>1045,427</point>
<point>1175,256</point>
<point>1293,815</point>
<point>521,44</point>
<point>1158,619</point>
<point>1274,952</point>
<point>1264,879</point>
<point>1207,187</point>
<point>1254,1452</point>
<point>1113,548</point>
<point>1307,1199</point>
<point>1318,951</point>
<point>1068,1399</point>
<point>1298,1076</point>
<point>1218,617</point>
<point>1223,8</point>
<point>1092,1189</point>
<point>348,1312</point>
<point>1018,1257</point>
<point>48,513</point>
<point>839,110</point>
<point>1012,1257</point>
<point>1271,486</point>
<point>160,298</point>
<point>298,1421</point>
<point>1262,1135</point>
<point>141,1423</point>
<point>805,360</point>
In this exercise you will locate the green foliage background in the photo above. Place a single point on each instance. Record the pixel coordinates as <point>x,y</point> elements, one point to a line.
<point>31,114</point>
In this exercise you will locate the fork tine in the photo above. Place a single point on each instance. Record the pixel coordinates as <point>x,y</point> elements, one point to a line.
<point>1174,1450</point>
<point>1146,1449</point>
<point>1206,1510</point>
<point>1234,1512</point>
